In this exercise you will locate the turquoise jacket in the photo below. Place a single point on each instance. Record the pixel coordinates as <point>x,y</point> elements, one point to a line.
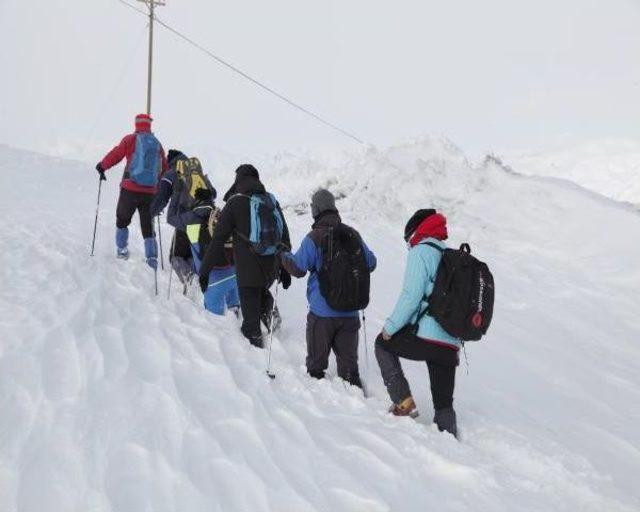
<point>419,276</point>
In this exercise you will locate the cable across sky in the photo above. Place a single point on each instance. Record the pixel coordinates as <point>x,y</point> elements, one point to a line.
<point>246,76</point>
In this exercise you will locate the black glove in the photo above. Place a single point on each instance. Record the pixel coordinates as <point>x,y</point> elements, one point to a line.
<point>282,247</point>
<point>284,279</point>
<point>100,170</point>
<point>204,282</point>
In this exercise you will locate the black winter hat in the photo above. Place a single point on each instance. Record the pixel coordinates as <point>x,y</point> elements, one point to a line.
<point>173,154</point>
<point>321,201</point>
<point>415,221</point>
<point>247,171</point>
<point>203,194</point>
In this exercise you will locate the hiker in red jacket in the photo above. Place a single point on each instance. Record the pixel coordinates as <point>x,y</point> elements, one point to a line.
<point>146,162</point>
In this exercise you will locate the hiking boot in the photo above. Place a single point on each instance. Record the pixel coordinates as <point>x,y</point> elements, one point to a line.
<point>446,421</point>
<point>405,408</point>
<point>183,268</point>
<point>352,378</point>
<point>122,254</point>
<point>257,341</point>
<point>316,374</point>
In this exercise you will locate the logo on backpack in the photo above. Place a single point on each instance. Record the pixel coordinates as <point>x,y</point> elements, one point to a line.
<point>344,276</point>
<point>266,224</point>
<point>144,168</point>
<point>463,294</point>
<point>190,171</point>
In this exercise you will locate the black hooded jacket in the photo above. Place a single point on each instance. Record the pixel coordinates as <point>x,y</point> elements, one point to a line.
<point>252,270</point>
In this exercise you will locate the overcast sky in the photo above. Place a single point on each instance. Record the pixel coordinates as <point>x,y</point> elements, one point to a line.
<point>490,75</point>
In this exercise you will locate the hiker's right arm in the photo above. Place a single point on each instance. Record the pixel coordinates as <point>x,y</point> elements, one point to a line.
<point>163,196</point>
<point>115,156</point>
<point>415,277</point>
<point>303,260</point>
<point>286,239</point>
<point>173,216</point>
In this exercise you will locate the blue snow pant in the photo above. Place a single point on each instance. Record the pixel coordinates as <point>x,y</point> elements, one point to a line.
<point>222,290</point>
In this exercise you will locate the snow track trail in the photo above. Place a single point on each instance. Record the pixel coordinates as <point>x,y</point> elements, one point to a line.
<point>114,400</point>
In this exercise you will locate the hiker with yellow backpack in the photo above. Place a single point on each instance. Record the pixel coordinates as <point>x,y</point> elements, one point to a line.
<point>192,210</point>
<point>180,252</point>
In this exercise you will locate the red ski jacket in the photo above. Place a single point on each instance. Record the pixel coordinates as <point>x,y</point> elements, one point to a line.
<point>126,149</point>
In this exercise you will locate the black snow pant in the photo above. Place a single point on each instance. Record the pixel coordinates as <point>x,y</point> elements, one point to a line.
<point>339,335</point>
<point>181,257</point>
<point>255,303</point>
<point>181,247</point>
<point>441,362</point>
<point>128,203</point>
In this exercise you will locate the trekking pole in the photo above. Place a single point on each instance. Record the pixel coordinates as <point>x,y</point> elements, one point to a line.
<point>270,374</point>
<point>155,277</point>
<point>160,242</point>
<point>95,224</point>
<point>171,256</point>
<point>366,345</point>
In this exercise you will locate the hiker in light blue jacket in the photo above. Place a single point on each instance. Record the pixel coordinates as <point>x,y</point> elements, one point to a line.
<point>431,343</point>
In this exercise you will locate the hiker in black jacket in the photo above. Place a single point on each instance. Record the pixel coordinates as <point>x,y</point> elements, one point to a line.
<point>255,273</point>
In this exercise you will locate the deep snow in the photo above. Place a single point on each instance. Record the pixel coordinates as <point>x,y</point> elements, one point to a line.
<point>610,167</point>
<point>112,399</point>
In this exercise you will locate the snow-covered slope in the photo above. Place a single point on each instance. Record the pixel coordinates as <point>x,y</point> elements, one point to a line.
<point>610,167</point>
<point>112,399</point>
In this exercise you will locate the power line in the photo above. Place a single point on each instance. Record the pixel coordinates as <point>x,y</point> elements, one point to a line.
<point>133,7</point>
<point>116,86</point>
<point>248,77</point>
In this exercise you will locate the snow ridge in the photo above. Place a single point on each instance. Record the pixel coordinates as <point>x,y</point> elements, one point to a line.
<point>610,167</point>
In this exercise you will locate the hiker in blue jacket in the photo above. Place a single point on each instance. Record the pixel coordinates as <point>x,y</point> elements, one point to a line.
<point>180,252</point>
<point>222,291</point>
<point>327,329</point>
<point>431,343</point>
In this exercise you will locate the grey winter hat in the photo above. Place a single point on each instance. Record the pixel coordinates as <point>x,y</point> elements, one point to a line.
<point>321,201</point>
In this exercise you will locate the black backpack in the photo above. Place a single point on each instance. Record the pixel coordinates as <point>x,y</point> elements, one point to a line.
<point>344,276</point>
<point>463,293</point>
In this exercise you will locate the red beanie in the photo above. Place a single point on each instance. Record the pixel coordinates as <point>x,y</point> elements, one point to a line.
<point>143,119</point>
<point>433,226</point>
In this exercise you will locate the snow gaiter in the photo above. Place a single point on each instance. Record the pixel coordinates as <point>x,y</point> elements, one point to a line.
<point>151,252</point>
<point>122,239</point>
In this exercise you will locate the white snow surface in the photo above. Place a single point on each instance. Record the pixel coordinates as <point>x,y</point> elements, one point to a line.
<point>112,399</point>
<point>610,167</point>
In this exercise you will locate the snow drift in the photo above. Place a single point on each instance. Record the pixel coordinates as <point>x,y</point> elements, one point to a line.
<point>610,167</point>
<point>112,399</point>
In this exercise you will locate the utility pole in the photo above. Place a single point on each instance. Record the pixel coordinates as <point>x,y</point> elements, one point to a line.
<point>152,5</point>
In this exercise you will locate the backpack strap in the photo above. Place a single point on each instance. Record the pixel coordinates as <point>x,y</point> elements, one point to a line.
<point>416,325</point>
<point>435,246</point>
<point>422,314</point>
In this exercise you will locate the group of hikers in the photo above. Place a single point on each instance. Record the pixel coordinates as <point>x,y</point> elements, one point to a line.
<point>239,251</point>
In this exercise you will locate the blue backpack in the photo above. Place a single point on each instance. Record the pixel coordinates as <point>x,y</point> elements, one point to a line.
<point>266,225</point>
<point>145,165</point>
